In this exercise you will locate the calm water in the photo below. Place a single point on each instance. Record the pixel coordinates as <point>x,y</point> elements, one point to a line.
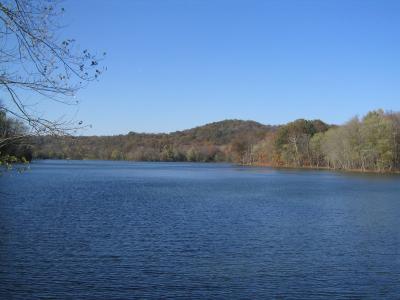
<point>119,230</point>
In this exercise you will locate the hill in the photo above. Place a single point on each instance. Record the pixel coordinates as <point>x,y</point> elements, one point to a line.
<point>223,132</point>
<point>370,143</point>
<point>218,141</point>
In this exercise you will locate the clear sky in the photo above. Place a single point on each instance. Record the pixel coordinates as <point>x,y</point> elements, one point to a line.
<point>175,64</point>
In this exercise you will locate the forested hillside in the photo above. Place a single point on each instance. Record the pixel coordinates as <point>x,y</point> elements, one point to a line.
<point>370,143</point>
<point>215,142</point>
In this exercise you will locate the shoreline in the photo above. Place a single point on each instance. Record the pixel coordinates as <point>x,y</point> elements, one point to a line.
<point>358,171</point>
<point>257,165</point>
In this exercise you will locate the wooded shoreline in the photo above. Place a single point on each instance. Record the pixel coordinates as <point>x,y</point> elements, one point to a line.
<point>367,144</point>
<point>357,171</point>
<point>256,165</point>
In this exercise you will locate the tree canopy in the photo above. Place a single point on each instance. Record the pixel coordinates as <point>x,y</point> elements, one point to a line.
<point>371,143</point>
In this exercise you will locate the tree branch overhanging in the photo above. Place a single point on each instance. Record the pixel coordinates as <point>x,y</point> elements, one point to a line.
<point>33,61</point>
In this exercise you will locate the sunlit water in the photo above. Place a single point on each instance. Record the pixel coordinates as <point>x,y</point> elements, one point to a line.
<point>121,230</point>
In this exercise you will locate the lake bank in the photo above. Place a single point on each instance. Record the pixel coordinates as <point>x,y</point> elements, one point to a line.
<point>262,165</point>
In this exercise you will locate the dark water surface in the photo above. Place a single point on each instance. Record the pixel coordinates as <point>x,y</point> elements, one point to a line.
<point>120,230</point>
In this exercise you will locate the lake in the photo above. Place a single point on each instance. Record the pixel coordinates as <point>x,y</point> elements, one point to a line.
<point>125,230</point>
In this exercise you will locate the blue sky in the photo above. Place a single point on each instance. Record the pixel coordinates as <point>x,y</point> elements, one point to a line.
<point>175,64</point>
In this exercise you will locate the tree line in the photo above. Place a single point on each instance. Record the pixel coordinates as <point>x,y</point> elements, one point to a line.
<point>370,143</point>
<point>225,141</point>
